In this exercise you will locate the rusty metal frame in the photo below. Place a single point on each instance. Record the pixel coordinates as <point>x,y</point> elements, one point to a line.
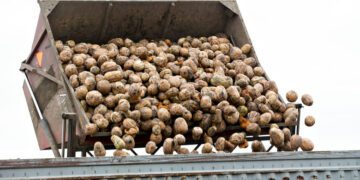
<point>26,67</point>
<point>44,123</point>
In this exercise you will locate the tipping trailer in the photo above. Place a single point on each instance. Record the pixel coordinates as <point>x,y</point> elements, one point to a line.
<point>58,119</point>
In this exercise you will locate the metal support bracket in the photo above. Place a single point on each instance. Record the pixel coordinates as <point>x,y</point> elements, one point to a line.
<point>27,67</point>
<point>70,120</point>
<point>298,107</point>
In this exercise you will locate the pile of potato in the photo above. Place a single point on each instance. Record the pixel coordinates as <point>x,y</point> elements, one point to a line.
<point>195,86</point>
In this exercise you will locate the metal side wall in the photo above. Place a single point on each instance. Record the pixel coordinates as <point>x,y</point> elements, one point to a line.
<point>282,165</point>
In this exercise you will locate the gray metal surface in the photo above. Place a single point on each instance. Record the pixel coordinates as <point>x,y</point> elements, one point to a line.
<point>282,165</point>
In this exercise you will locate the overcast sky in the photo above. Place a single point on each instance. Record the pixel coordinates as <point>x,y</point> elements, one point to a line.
<point>311,46</point>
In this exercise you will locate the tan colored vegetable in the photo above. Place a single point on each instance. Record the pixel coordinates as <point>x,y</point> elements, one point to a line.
<point>306,144</point>
<point>295,142</point>
<point>94,98</point>
<point>276,137</point>
<point>307,100</point>
<point>309,121</point>
<point>116,130</point>
<point>207,148</point>
<point>291,96</point>
<point>237,138</point>
<point>257,146</point>
<point>150,147</point>
<point>180,126</point>
<point>91,129</point>
<point>168,146</point>
<point>99,149</point>
<point>118,142</point>
<point>246,48</point>
<point>120,153</point>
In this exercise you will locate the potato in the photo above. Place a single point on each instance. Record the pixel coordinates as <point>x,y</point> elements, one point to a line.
<point>129,142</point>
<point>116,130</point>
<point>220,144</point>
<point>229,147</point>
<point>235,53</point>
<point>168,146</point>
<point>103,86</point>
<point>291,96</point>
<point>90,62</point>
<point>100,109</point>
<point>201,84</point>
<point>180,126</point>
<point>116,117</point>
<point>74,81</point>
<point>295,142</point>
<point>231,115</point>
<point>156,138</point>
<point>197,133</point>
<point>265,119</point>
<point>146,113</point>
<point>276,137</point>
<point>307,100</point>
<point>118,142</point>
<point>99,149</point>
<point>257,146</point>
<point>65,55</point>
<point>129,123</point>
<point>207,148</point>
<point>70,69</point>
<point>59,45</point>
<point>113,76</point>
<point>83,75</point>
<point>179,139</point>
<point>150,147</point>
<point>119,153</point>
<point>309,121</point>
<point>81,92</point>
<point>117,87</point>
<point>94,98</point>
<point>237,138</point>
<point>102,123</point>
<point>306,144</point>
<point>287,134</point>
<point>253,128</point>
<point>91,129</point>
<point>123,105</point>
<point>246,48</point>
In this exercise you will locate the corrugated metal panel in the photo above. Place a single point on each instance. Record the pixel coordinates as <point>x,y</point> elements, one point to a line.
<point>279,165</point>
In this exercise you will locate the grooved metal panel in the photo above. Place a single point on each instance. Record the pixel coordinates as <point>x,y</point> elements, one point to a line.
<point>279,165</point>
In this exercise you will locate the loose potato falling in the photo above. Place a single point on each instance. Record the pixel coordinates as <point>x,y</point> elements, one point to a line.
<point>309,121</point>
<point>291,96</point>
<point>306,144</point>
<point>162,91</point>
<point>307,100</point>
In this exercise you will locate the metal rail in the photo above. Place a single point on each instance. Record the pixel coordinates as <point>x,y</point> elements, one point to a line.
<point>278,165</point>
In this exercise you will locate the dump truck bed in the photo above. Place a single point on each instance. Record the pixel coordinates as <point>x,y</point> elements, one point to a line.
<point>279,165</point>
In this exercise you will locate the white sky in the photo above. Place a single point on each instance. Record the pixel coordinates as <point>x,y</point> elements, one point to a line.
<point>309,46</point>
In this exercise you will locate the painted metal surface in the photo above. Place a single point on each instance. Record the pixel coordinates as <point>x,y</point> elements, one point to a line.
<point>283,165</point>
